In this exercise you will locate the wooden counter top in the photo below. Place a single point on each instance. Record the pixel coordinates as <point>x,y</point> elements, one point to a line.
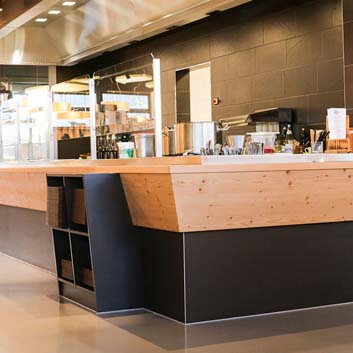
<point>176,165</point>
<point>141,165</point>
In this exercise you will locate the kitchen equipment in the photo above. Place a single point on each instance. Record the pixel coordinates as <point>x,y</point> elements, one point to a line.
<point>144,144</point>
<point>236,140</point>
<point>171,137</point>
<point>126,150</point>
<point>317,147</point>
<point>192,137</point>
<point>268,120</point>
<point>254,148</point>
<point>266,138</point>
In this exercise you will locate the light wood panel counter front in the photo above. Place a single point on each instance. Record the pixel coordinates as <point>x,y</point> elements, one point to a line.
<point>195,193</point>
<point>215,197</point>
<point>24,184</point>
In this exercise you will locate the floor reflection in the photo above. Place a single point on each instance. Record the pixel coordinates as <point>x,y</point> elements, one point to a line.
<point>171,335</point>
<point>32,320</point>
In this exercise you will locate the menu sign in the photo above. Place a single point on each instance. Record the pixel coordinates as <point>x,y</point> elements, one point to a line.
<point>337,124</point>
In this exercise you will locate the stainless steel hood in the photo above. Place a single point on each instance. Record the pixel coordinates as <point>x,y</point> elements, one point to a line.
<point>95,26</point>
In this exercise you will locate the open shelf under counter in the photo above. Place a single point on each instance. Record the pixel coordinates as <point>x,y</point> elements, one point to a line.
<point>106,269</point>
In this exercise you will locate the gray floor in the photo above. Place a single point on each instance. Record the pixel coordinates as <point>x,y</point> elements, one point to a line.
<point>33,321</point>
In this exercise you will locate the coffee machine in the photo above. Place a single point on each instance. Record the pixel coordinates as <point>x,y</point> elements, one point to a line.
<point>267,120</point>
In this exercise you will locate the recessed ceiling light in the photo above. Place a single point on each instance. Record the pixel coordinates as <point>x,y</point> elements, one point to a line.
<point>1,9</point>
<point>147,24</point>
<point>41,19</point>
<point>69,3</point>
<point>54,12</point>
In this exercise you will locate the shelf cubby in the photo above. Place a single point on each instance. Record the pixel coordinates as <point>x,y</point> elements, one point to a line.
<point>100,244</point>
<point>81,254</point>
<point>75,203</point>
<point>56,203</point>
<point>63,255</point>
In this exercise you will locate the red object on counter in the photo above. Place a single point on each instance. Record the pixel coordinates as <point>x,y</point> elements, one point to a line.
<point>269,150</point>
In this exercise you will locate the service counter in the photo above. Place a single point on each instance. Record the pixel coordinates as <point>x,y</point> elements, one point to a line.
<point>218,237</point>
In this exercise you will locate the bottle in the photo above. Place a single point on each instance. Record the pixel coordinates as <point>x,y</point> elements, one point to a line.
<point>289,141</point>
<point>302,138</point>
<point>300,149</point>
<point>100,154</point>
<point>278,144</point>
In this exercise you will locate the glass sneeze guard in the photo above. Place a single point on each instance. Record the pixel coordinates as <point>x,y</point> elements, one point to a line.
<point>34,124</point>
<point>10,129</point>
<point>70,118</point>
<point>127,102</point>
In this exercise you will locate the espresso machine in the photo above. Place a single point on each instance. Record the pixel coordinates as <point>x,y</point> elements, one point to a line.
<point>267,120</point>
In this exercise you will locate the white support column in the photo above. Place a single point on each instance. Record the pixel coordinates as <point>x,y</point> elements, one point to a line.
<point>93,103</point>
<point>157,107</point>
<point>52,150</point>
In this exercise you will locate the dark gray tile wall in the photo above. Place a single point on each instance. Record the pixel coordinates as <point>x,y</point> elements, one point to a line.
<point>262,54</point>
<point>183,95</point>
<point>292,57</point>
<point>348,55</point>
<point>347,10</point>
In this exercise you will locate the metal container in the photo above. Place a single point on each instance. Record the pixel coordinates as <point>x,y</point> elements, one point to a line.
<point>236,141</point>
<point>194,136</point>
<point>144,145</point>
<point>199,135</point>
<point>171,134</point>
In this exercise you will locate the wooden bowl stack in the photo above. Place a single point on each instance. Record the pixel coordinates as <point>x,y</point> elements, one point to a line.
<point>56,207</point>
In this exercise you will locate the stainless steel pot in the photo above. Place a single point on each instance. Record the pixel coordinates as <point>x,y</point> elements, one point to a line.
<point>192,137</point>
<point>171,134</point>
<point>144,144</point>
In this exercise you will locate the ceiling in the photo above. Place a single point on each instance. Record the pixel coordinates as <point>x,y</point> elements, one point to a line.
<point>90,26</point>
<point>11,9</point>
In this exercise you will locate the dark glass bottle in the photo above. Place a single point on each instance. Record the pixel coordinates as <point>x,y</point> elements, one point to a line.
<point>302,138</point>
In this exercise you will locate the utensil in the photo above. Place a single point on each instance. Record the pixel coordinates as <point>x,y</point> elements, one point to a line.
<point>255,148</point>
<point>317,147</point>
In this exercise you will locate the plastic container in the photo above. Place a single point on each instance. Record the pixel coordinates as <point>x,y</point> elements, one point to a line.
<point>267,138</point>
<point>126,150</point>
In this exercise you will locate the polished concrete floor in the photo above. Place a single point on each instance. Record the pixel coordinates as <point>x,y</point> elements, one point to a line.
<point>33,321</point>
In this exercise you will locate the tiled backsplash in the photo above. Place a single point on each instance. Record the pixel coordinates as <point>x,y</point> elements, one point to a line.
<point>263,54</point>
<point>348,54</point>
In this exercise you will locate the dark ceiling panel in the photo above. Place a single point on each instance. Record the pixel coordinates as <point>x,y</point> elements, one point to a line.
<point>14,8</point>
